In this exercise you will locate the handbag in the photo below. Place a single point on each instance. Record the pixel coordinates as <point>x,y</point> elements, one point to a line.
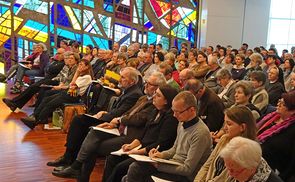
<point>70,111</point>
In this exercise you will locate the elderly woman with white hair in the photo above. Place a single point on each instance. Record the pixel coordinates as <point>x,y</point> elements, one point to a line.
<point>33,67</point>
<point>244,162</point>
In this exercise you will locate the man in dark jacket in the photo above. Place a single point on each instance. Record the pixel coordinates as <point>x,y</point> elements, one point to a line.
<point>210,106</point>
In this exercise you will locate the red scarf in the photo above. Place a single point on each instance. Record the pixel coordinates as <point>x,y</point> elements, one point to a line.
<point>276,128</point>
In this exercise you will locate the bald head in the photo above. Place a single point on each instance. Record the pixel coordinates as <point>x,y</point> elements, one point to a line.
<point>185,75</point>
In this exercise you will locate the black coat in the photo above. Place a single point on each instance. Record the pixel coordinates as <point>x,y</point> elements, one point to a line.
<point>160,132</point>
<point>123,103</point>
<point>211,110</point>
<point>279,152</point>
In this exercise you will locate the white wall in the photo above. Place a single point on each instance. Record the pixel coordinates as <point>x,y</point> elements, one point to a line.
<point>232,22</point>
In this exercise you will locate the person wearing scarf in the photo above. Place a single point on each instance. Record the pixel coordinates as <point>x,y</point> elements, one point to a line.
<point>276,134</point>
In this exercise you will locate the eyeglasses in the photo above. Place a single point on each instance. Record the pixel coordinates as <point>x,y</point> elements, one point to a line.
<point>149,83</point>
<point>180,112</point>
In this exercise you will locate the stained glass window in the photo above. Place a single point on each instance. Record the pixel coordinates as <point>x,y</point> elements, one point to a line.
<point>97,22</point>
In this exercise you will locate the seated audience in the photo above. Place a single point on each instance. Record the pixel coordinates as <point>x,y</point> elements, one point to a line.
<point>238,121</point>
<point>191,148</point>
<point>227,90</point>
<point>260,96</point>
<point>207,100</point>
<point>243,160</point>
<point>276,134</point>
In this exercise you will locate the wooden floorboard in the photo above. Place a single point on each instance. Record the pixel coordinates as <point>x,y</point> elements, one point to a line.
<point>24,152</point>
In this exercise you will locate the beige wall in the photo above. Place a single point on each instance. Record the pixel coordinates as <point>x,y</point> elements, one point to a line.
<point>232,22</point>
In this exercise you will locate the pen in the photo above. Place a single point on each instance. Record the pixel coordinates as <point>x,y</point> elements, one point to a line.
<point>157,148</point>
<point>215,132</point>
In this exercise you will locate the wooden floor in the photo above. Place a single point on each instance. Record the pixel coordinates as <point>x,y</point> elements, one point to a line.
<point>24,152</point>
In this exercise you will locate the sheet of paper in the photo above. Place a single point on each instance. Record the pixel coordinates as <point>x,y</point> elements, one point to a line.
<point>166,161</point>
<point>156,179</point>
<point>91,116</point>
<point>113,131</point>
<point>141,158</point>
<point>121,152</point>
<point>102,84</point>
<point>46,86</point>
<point>23,65</point>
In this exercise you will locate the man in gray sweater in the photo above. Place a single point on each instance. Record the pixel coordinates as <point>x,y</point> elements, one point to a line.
<point>191,148</point>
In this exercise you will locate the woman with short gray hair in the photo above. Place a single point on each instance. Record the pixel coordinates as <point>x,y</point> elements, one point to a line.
<point>244,162</point>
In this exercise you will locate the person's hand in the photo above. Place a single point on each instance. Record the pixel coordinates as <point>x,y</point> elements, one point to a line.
<point>154,153</point>
<point>111,85</point>
<point>127,147</point>
<point>106,125</point>
<point>99,114</point>
<point>117,91</point>
<point>115,121</point>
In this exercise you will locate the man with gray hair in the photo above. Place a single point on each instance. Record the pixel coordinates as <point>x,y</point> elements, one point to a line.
<point>191,148</point>
<point>243,160</point>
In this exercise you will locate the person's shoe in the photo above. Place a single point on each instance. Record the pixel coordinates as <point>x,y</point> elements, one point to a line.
<point>59,168</point>
<point>10,104</point>
<point>61,161</point>
<point>68,172</point>
<point>28,123</point>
